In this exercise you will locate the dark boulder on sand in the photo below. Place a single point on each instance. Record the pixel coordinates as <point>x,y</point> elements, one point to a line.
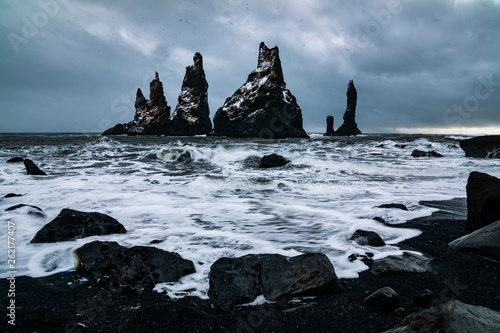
<point>483,200</point>
<point>484,241</point>
<point>32,169</point>
<point>138,267</point>
<point>262,107</point>
<point>349,127</point>
<point>363,237</point>
<point>384,300</point>
<point>453,316</point>
<point>273,161</point>
<point>482,146</point>
<point>15,160</point>
<point>240,280</point>
<point>408,262</point>
<point>421,153</point>
<point>72,224</point>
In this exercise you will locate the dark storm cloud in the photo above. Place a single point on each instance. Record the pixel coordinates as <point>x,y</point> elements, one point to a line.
<point>74,65</point>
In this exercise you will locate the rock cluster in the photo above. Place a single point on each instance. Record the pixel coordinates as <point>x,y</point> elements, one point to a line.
<point>191,116</point>
<point>349,127</point>
<point>262,107</point>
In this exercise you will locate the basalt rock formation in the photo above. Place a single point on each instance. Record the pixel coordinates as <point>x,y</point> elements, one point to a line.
<point>151,117</point>
<point>329,126</point>
<point>191,116</point>
<point>262,107</point>
<point>349,127</point>
<point>482,146</point>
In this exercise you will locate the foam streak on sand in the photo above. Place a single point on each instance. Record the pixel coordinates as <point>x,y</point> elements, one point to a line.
<point>206,198</point>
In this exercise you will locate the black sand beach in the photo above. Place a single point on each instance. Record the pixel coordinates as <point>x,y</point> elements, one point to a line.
<point>59,303</point>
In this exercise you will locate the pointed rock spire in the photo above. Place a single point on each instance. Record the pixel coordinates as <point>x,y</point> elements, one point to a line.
<point>349,127</point>
<point>329,126</point>
<point>262,107</point>
<point>192,114</point>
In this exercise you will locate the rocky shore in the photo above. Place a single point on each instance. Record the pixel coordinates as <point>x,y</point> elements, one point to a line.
<point>63,303</point>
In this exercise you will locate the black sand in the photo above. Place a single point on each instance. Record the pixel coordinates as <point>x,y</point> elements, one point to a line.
<point>59,303</point>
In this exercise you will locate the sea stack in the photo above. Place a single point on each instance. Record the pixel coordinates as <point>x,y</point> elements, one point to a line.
<point>329,126</point>
<point>262,107</point>
<point>151,117</point>
<point>349,127</point>
<point>192,115</point>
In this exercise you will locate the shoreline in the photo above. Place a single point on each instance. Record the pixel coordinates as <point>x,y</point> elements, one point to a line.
<point>60,303</point>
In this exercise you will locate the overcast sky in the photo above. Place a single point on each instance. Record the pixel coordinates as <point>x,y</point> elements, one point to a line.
<point>418,66</point>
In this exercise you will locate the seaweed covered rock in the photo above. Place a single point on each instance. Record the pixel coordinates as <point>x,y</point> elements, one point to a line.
<point>262,107</point>
<point>191,116</point>
<point>138,267</point>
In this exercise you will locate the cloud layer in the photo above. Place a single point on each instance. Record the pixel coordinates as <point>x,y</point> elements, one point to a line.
<point>418,66</point>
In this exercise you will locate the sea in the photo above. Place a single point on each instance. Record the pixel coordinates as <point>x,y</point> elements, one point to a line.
<point>206,197</point>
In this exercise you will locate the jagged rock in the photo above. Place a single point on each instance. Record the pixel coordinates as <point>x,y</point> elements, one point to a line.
<point>482,146</point>
<point>262,107</point>
<point>483,200</point>
<point>138,267</point>
<point>15,160</point>
<point>349,127</point>
<point>240,280</point>
<point>453,316</point>
<point>484,241</point>
<point>151,117</point>
<point>363,237</point>
<point>191,116</point>
<point>72,224</point>
<point>329,126</point>
<point>393,205</point>
<point>32,169</point>
<point>273,161</point>
<point>31,210</point>
<point>408,262</point>
<point>420,153</point>
<point>385,299</point>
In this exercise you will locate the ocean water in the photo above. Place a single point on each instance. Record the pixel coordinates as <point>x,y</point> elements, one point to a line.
<point>206,198</point>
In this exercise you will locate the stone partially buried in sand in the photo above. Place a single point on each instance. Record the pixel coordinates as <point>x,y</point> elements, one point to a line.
<point>408,262</point>
<point>484,241</point>
<point>72,224</point>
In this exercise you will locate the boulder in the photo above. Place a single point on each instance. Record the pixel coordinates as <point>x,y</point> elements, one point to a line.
<point>363,237</point>
<point>273,161</point>
<point>240,280</point>
<point>384,300</point>
<point>349,127</point>
<point>262,107</point>
<point>12,195</point>
<point>139,267</point>
<point>424,299</point>
<point>483,200</point>
<point>484,241</point>
<point>408,262</point>
<point>420,153</point>
<point>329,126</point>
<point>482,146</point>
<point>152,116</point>
<point>192,114</point>
<point>71,224</point>
<point>31,210</point>
<point>15,160</point>
<point>32,169</point>
<point>393,205</point>
<point>453,316</point>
